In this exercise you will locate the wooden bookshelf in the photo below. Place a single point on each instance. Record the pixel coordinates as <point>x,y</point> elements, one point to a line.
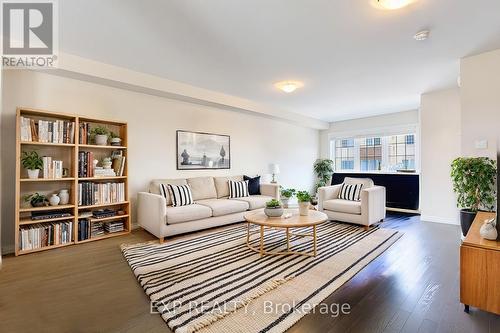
<point>69,154</point>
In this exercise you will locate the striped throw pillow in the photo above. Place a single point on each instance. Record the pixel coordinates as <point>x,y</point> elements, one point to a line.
<point>180,194</point>
<point>350,192</point>
<point>238,189</point>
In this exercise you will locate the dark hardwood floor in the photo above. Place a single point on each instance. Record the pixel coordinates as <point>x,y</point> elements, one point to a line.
<point>412,287</point>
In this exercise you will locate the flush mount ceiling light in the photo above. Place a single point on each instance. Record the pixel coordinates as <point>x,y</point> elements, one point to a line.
<point>422,35</point>
<point>288,86</point>
<point>391,4</point>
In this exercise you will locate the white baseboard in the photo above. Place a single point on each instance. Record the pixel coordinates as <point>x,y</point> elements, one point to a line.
<point>439,219</point>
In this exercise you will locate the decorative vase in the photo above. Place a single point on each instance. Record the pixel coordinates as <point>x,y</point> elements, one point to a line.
<point>466,219</point>
<point>284,201</point>
<point>64,196</point>
<point>33,174</point>
<point>54,200</point>
<point>304,208</point>
<point>488,230</point>
<point>101,139</point>
<point>273,212</point>
<point>115,141</point>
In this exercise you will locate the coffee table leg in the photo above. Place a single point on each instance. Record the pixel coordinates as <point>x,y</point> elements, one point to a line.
<point>248,234</point>
<point>261,241</point>
<point>287,239</point>
<point>314,240</point>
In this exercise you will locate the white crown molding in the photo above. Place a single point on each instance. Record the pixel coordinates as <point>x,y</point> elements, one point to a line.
<point>92,71</point>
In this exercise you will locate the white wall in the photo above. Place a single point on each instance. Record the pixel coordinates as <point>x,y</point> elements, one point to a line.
<point>376,125</point>
<point>440,126</point>
<point>255,141</point>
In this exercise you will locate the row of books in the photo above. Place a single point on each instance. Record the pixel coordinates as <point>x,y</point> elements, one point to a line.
<point>47,131</point>
<point>88,229</point>
<point>86,167</point>
<point>100,193</point>
<point>84,134</point>
<point>85,164</point>
<point>52,168</point>
<point>36,236</point>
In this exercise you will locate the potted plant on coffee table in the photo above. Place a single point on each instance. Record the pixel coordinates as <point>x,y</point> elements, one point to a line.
<point>32,162</point>
<point>273,208</point>
<point>474,181</point>
<point>286,194</point>
<point>100,134</point>
<point>304,198</point>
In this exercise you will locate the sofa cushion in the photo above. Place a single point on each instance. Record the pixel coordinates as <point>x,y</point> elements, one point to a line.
<point>253,185</point>
<point>222,185</point>
<point>343,206</point>
<point>367,182</point>
<point>238,189</point>
<point>180,194</point>
<point>222,207</point>
<point>187,213</point>
<point>255,201</point>
<point>202,188</point>
<point>154,186</point>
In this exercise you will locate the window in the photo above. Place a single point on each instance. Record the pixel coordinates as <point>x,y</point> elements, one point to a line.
<point>388,153</point>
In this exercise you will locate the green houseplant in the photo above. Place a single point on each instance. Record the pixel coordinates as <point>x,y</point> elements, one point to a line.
<point>100,135</point>
<point>286,194</point>
<point>115,139</point>
<point>273,208</point>
<point>474,184</point>
<point>36,199</point>
<point>323,169</point>
<point>32,162</point>
<point>304,198</point>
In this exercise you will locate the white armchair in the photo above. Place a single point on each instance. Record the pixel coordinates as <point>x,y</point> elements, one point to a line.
<point>369,210</point>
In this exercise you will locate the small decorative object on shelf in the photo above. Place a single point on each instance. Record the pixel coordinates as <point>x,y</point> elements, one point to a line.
<point>32,162</point>
<point>304,198</point>
<point>36,200</point>
<point>100,134</point>
<point>286,194</point>
<point>273,208</point>
<point>54,200</point>
<point>107,163</point>
<point>115,139</point>
<point>488,230</point>
<point>64,196</point>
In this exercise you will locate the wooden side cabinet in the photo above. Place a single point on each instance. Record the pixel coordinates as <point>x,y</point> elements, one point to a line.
<point>480,269</point>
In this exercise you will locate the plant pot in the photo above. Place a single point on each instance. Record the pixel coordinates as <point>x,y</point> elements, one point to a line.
<point>38,203</point>
<point>54,200</point>
<point>115,142</point>
<point>33,174</point>
<point>314,201</point>
<point>304,208</point>
<point>466,218</point>
<point>64,196</point>
<point>284,201</point>
<point>101,139</point>
<point>273,212</point>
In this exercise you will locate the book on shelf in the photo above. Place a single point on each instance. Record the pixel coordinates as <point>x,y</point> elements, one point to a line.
<point>40,235</point>
<point>47,131</point>
<point>111,227</point>
<point>118,162</point>
<point>51,168</point>
<point>84,134</point>
<point>85,164</point>
<point>51,214</point>
<point>100,193</point>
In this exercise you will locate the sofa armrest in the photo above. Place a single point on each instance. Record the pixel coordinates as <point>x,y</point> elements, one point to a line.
<point>327,193</point>
<point>373,205</point>
<point>271,190</point>
<point>151,212</point>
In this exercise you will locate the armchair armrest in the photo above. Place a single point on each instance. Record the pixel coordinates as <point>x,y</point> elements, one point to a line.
<point>272,190</point>
<point>151,212</point>
<point>327,193</point>
<point>373,205</point>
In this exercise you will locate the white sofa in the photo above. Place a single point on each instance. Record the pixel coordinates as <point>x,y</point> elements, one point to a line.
<point>370,210</point>
<point>212,207</point>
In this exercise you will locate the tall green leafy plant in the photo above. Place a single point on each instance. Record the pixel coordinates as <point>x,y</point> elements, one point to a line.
<point>474,181</point>
<point>323,169</point>
<point>31,160</point>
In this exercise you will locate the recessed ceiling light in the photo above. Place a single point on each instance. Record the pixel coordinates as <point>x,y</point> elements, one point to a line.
<point>422,35</point>
<point>391,4</point>
<point>288,86</point>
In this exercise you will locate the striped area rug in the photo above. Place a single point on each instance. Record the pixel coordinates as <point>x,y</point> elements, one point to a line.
<point>214,283</point>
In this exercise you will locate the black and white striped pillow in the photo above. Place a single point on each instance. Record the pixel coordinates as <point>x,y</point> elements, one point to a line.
<point>350,192</point>
<point>238,189</point>
<point>180,194</point>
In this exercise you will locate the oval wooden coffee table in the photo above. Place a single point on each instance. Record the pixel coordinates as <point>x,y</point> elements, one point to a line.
<point>295,221</point>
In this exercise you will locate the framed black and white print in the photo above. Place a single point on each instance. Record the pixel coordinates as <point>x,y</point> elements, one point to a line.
<point>198,150</point>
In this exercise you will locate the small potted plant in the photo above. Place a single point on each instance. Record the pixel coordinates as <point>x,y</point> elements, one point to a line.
<point>32,162</point>
<point>273,208</point>
<point>286,194</point>
<point>474,181</point>
<point>100,135</point>
<point>304,198</point>
<point>115,139</point>
<point>36,200</point>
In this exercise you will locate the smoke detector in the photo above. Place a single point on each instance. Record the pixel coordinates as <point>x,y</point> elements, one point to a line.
<point>422,35</point>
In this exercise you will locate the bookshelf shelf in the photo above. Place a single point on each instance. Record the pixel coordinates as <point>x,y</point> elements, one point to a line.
<point>62,127</point>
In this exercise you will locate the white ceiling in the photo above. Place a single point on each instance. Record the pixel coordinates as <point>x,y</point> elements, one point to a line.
<point>355,60</point>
